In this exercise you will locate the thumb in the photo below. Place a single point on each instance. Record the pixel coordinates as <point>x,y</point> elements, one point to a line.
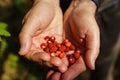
<point>92,48</point>
<point>25,38</point>
<point>29,28</point>
<point>90,58</point>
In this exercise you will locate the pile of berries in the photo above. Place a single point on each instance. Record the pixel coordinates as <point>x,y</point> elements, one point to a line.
<point>56,49</point>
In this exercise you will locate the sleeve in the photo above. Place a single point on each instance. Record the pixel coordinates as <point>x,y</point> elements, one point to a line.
<point>97,2</point>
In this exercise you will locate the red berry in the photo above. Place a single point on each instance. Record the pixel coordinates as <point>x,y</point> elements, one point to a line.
<point>67,49</point>
<point>71,60</point>
<point>50,45</point>
<point>58,45</point>
<point>52,38</point>
<point>76,55</point>
<point>46,38</point>
<point>43,45</point>
<point>68,44</point>
<point>66,40</point>
<point>61,55</point>
<point>48,42</point>
<point>72,47</point>
<point>57,53</point>
<point>62,48</point>
<point>47,50</point>
<point>53,48</point>
<point>52,54</point>
<point>55,43</point>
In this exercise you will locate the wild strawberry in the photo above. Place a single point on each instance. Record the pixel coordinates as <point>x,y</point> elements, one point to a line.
<point>71,60</point>
<point>43,45</point>
<point>47,50</point>
<point>46,38</point>
<point>62,48</point>
<point>61,55</point>
<point>48,42</point>
<point>68,44</point>
<point>52,54</point>
<point>67,49</point>
<point>53,48</point>
<point>52,38</point>
<point>66,40</point>
<point>72,47</point>
<point>76,54</point>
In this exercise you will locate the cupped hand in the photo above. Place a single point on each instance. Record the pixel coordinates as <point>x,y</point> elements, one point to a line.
<point>82,30</point>
<point>84,33</point>
<point>44,19</point>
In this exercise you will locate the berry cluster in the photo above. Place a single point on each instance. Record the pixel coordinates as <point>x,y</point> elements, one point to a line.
<point>66,48</point>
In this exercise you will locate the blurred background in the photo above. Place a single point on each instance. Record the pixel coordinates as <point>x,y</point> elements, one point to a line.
<point>13,66</point>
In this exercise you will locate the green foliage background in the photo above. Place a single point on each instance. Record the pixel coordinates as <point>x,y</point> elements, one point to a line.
<point>13,66</point>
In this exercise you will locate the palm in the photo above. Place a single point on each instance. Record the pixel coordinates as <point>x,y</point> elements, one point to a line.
<point>54,28</point>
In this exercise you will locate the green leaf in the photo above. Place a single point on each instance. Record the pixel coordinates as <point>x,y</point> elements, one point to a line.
<point>3,45</point>
<point>4,33</point>
<point>19,2</point>
<point>32,77</point>
<point>13,57</point>
<point>3,25</point>
<point>0,39</point>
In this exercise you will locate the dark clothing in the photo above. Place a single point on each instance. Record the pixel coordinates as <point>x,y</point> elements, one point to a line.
<point>104,4</point>
<point>108,18</point>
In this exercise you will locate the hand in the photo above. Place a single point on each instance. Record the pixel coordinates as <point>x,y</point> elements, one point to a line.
<point>45,18</point>
<point>82,29</point>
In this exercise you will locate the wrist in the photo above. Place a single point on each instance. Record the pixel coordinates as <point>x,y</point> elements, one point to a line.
<point>85,5</point>
<point>55,2</point>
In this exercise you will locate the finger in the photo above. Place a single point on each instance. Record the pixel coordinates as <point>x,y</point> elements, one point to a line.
<point>74,70</point>
<point>53,75</point>
<point>56,76</point>
<point>62,68</point>
<point>40,57</point>
<point>58,63</point>
<point>26,34</point>
<point>37,56</point>
<point>92,47</point>
<point>47,63</point>
<point>49,74</point>
<point>25,42</point>
<point>68,12</point>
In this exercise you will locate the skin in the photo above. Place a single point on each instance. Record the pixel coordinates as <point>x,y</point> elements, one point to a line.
<point>81,28</point>
<point>45,18</point>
